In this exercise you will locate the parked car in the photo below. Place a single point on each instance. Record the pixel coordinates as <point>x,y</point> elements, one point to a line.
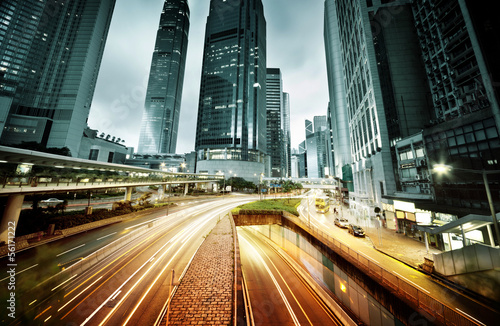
<point>356,230</point>
<point>341,222</point>
<point>51,201</point>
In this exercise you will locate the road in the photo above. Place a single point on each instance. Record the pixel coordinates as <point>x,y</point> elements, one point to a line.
<point>277,293</point>
<point>132,283</point>
<point>467,306</point>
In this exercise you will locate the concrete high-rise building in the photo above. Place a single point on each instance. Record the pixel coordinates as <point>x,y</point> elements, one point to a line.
<point>274,113</point>
<point>287,142</point>
<point>231,127</point>
<point>160,121</point>
<point>377,86</point>
<point>50,54</point>
<point>460,42</point>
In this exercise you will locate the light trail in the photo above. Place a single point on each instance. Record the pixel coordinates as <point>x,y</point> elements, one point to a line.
<point>134,226</point>
<point>189,236</point>
<point>421,288</point>
<point>24,270</point>
<point>280,291</point>
<point>69,279</point>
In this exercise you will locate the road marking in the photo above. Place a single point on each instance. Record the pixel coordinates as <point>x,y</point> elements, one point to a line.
<point>62,253</point>
<point>411,282</point>
<point>106,236</point>
<point>470,316</point>
<point>131,227</point>
<point>24,270</point>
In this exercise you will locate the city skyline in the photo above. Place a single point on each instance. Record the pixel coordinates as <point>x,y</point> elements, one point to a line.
<point>121,87</point>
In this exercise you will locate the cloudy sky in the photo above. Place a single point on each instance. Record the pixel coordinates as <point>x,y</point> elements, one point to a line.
<point>294,44</point>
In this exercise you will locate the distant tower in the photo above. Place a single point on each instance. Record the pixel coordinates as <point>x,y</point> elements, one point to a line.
<point>231,127</point>
<point>287,143</point>
<point>50,54</point>
<point>162,106</point>
<point>274,112</point>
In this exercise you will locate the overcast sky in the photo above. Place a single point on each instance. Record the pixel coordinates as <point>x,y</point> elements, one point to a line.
<point>294,44</point>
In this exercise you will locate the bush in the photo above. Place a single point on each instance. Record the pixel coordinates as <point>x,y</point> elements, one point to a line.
<point>270,205</point>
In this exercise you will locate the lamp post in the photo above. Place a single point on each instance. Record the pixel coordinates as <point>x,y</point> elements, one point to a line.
<point>442,168</point>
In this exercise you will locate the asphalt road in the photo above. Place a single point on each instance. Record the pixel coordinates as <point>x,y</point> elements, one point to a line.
<point>131,284</point>
<point>277,294</point>
<point>482,314</point>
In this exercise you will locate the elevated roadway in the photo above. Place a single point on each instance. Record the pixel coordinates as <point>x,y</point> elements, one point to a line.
<point>27,172</point>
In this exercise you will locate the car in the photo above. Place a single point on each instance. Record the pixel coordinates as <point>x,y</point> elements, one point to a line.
<point>356,230</point>
<point>51,201</point>
<point>341,222</point>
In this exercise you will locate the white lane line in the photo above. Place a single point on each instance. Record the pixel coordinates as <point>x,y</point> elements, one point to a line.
<point>133,226</point>
<point>411,282</point>
<point>24,270</point>
<point>62,253</point>
<point>471,317</point>
<point>106,236</point>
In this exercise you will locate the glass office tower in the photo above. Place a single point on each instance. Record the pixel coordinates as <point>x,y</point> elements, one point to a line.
<point>160,121</point>
<point>274,109</point>
<point>50,54</point>
<point>231,127</point>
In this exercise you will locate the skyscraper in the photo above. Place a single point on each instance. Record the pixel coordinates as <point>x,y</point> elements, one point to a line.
<point>316,146</point>
<point>287,142</point>
<point>160,120</point>
<point>50,54</point>
<point>274,111</point>
<point>377,86</point>
<point>231,126</point>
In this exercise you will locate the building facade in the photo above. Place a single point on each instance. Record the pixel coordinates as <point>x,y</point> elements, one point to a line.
<point>160,121</point>
<point>287,139</point>
<point>274,115</point>
<point>50,54</point>
<point>374,45</point>
<point>231,126</point>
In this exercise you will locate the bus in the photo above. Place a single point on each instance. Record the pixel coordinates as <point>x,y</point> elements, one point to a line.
<point>322,204</point>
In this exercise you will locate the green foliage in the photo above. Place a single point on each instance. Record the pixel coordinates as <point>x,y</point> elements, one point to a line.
<point>264,206</point>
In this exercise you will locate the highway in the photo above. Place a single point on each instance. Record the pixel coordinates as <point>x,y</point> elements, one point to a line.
<point>277,294</point>
<point>132,283</point>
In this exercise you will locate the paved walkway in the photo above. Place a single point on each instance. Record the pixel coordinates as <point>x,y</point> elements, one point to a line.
<point>408,250</point>
<point>205,293</point>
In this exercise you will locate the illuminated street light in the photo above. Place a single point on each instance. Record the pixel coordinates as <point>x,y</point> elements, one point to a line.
<point>442,168</point>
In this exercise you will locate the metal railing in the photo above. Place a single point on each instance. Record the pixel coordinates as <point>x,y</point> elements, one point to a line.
<point>443,313</point>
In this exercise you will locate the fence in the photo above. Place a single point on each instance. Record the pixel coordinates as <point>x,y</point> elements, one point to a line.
<point>400,287</point>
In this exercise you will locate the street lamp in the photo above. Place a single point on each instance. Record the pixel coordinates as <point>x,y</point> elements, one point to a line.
<point>442,168</point>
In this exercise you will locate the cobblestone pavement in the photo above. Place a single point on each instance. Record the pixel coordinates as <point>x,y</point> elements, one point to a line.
<point>205,293</point>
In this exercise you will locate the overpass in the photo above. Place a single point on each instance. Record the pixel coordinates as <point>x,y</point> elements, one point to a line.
<point>26,172</point>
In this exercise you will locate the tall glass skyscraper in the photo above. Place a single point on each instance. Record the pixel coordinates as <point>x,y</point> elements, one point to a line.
<point>160,120</point>
<point>231,127</point>
<point>50,54</point>
<point>274,111</point>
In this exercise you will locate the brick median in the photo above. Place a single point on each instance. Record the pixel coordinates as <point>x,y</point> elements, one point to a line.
<point>205,294</point>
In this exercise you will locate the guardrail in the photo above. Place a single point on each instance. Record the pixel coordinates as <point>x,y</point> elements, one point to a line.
<point>403,289</point>
<point>20,182</point>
